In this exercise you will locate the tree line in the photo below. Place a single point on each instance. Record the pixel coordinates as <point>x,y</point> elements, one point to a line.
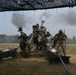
<point>14,39</point>
<point>9,38</point>
<point>71,41</point>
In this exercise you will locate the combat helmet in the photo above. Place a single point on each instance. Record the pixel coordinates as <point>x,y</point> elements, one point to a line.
<point>60,31</point>
<point>20,29</point>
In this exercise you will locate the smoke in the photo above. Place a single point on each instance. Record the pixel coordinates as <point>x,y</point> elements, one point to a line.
<point>50,19</point>
<point>18,20</point>
<point>62,19</point>
<point>71,18</point>
<point>56,20</point>
<point>31,20</point>
<point>21,20</point>
<point>45,15</point>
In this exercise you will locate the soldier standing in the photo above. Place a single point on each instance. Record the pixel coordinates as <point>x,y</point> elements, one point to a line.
<point>22,38</point>
<point>59,41</point>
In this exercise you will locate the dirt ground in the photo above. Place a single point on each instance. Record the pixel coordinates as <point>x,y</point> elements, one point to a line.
<point>35,66</point>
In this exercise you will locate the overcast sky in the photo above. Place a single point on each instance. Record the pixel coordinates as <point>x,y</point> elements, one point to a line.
<point>55,19</point>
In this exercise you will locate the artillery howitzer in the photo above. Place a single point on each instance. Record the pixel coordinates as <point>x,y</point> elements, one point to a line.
<point>10,52</point>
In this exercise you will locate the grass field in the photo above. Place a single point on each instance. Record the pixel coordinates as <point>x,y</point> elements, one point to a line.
<point>70,49</point>
<point>36,66</point>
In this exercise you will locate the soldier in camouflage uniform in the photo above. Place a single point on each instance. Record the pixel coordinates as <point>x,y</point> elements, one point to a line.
<point>59,41</point>
<point>22,38</point>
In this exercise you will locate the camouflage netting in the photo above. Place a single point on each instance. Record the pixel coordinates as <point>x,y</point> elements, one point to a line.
<point>14,5</point>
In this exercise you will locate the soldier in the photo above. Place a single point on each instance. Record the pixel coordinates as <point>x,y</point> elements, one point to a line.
<point>35,27</point>
<point>43,40</point>
<point>22,38</point>
<point>35,35</point>
<point>59,39</point>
